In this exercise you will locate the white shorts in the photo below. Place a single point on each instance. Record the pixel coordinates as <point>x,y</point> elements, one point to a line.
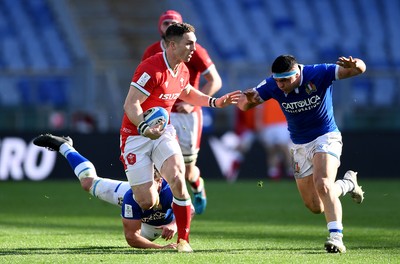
<point>303,154</point>
<point>150,232</point>
<point>141,153</point>
<point>188,129</point>
<point>275,134</point>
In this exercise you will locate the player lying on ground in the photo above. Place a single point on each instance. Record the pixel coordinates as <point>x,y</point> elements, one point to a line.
<point>140,227</point>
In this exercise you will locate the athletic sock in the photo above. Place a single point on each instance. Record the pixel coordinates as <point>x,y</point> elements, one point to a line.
<point>182,211</point>
<point>105,189</point>
<point>82,167</point>
<point>345,185</point>
<point>335,227</point>
<point>196,185</point>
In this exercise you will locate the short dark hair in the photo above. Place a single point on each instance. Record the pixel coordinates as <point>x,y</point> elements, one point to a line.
<point>177,30</point>
<point>283,63</point>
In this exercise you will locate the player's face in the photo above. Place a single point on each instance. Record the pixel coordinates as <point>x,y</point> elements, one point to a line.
<point>186,46</point>
<point>288,84</point>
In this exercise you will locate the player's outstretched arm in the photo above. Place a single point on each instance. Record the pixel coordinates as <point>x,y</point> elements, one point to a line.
<point>228,99</point>
<point>350,67</point>
<point>249,99</point>
<point>196,97</point>
<point>132,230</point>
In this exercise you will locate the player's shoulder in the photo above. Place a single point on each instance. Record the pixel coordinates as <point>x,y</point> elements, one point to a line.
<point>268,82</point>
<point>317,67</point>
<point>318,71</point>
<point>154,62</point>
<point>155,58</point>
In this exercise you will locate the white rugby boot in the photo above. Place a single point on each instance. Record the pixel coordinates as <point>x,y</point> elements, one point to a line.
<point>184,246</point>
<point>357,193</point>
<point>334,243</point>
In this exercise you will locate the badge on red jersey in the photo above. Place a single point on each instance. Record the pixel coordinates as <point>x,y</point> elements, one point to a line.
<point>143,79</point>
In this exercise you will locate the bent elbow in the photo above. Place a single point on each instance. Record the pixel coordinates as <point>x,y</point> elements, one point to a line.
<point>133,243</point>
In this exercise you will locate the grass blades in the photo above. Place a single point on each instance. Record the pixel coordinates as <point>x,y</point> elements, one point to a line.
<point>57,222</point>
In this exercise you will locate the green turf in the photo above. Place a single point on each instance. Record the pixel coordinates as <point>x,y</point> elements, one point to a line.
<point>57,222</point>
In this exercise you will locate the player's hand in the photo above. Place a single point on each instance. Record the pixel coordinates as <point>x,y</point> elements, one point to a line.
<point>252,96</point>
<point>170,246</point>
<point>347,62</point>
<point>168,231</point>
<point>228,99</point>
<point>155,132</point>
<point>184,108</point>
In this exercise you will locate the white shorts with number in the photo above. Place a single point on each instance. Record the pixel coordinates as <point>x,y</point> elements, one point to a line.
<point>188,129</point>
<point>303,154</point>
<point>141,153</point>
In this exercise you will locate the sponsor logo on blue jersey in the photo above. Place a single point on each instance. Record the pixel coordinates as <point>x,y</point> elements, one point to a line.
<point>157,215</point>
<point>302,105</point>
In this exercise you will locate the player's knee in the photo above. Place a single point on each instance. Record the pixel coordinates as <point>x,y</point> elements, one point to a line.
<point>145,204</point>
<point>86,183</point>
<point>322,186</point>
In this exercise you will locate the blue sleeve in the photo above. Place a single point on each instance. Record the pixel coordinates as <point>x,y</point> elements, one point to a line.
<point>326,72</point>
<point>264,89</point>
<point>130,209</point>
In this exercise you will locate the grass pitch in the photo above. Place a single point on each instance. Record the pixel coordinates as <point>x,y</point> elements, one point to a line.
<point>57,222</point>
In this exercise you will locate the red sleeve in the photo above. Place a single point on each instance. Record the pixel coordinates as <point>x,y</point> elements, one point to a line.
<point>145,78</point>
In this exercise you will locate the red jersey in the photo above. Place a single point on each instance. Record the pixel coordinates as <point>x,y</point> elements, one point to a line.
<point>156,79</point>
<point>198,64</point>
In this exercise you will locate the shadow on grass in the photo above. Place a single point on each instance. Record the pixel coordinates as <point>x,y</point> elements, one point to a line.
<point>62,226</point>
<point>97,250</point>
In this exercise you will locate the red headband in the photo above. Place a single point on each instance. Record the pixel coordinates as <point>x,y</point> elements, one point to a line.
<point>169,15</point>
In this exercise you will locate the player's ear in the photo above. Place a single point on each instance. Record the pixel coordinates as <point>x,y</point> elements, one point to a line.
<point>172,43</point>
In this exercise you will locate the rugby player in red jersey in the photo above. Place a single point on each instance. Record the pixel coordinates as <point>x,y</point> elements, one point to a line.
<point>159,81</point>
<point>186,118</point>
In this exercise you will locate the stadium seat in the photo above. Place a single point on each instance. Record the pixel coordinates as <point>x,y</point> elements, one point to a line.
<point>384,91</point>
<point>9,96</point>
<point>53,91</point>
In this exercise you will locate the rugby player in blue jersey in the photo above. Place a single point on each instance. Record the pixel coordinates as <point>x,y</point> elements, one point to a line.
<point>304,93</point>
<point>141,227</point>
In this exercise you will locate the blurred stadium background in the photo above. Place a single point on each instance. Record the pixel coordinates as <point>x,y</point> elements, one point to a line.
<point>66,65</point>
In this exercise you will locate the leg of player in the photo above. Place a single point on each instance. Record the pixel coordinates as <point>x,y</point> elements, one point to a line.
<point>173,170</point>
<point>102,188</point>
<point>197,185</point>
<point>325,170</point>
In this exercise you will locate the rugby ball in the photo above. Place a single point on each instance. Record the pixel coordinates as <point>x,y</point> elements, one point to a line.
<point>155,115</point>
